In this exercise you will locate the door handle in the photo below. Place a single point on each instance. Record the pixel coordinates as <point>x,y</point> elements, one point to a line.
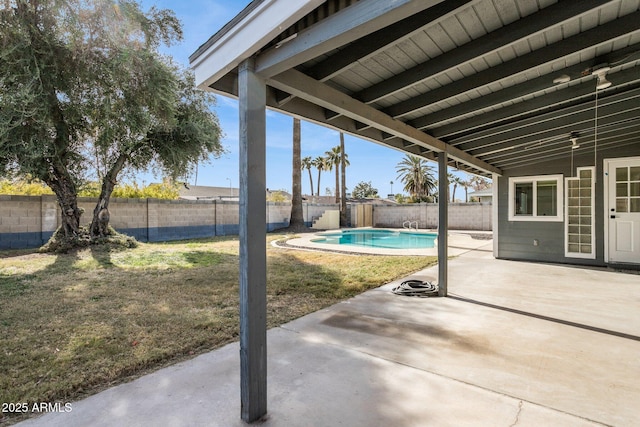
<point>613,216</point>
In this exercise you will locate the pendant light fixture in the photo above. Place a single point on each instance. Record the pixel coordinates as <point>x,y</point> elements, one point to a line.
<point>602,83</point>
<point>573,137</point>
<point>574,140</point>
<point>601,74</point>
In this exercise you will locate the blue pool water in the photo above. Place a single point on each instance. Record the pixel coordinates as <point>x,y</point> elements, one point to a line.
<point>380,239</point>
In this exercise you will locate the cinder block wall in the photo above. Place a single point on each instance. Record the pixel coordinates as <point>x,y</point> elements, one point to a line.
<point>315,211</point>
<point>22,219</point>
<point>29,221</point>
<point>462,216</point>
<point>394,216</point>
<point>278,215</point>
<point>176,219</point>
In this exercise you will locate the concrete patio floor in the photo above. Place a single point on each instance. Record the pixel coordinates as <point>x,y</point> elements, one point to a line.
<point>515,344</point>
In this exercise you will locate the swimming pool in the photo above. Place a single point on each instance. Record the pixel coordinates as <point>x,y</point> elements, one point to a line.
<point>388,239</point>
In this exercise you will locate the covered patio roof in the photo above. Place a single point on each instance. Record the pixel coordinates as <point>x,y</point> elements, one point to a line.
<point>493,83</point>
<point>484,86</point>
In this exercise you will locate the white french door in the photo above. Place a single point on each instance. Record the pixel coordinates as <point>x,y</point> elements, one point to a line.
<point>623,209</point>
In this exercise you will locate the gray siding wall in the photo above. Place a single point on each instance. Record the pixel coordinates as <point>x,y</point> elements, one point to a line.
<point>516,239</point>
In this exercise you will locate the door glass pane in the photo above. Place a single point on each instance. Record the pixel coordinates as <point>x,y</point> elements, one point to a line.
<point>635,189</point>
<point>622,174</point>
<point>635,204</point>
<point>546,198</point>
<point>634,173</point>
<point>524,198</point>
<point>585,173</point>
<point>621,205</point>
<point>621,189</point>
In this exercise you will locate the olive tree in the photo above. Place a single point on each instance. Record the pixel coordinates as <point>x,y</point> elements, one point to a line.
<point>82,80</point>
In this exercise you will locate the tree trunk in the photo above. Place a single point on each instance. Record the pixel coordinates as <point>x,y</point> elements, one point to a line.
<point>66,195</point>
<point>337,183</point>
<point>297,218</point>
<point>101,216</point>
<point>310,180</point>
<point>318,193</point>
<point>343,172</point>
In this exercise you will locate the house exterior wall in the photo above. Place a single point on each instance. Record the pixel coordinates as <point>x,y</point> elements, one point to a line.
<point>545,241</point>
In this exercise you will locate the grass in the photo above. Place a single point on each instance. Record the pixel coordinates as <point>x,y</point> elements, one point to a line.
<point>74,324</point>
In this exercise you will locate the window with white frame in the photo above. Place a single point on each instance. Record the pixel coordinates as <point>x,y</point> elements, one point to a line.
<point>536,198</point>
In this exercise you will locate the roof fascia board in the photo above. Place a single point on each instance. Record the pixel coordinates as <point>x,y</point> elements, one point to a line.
<point>349,24</point>
<point>242,40</point>
<point>305,87</point>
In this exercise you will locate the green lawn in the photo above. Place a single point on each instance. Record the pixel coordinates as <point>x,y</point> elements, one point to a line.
<point>74,324</point>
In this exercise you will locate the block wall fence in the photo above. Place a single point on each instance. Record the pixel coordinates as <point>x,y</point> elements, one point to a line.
<point>462,216</point>
<point>29,221</point>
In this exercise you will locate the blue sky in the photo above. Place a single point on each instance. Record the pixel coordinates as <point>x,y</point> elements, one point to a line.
<point>369,161</point>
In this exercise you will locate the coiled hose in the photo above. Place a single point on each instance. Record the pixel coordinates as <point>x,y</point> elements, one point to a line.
<point>416,288</point>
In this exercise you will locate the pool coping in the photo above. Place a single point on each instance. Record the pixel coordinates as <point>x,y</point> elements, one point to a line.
<point>459,242</point>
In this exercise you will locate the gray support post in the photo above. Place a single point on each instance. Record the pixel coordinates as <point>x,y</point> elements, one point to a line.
<point>443,223</point>
<point>253,255</point>
<point>494,214</point>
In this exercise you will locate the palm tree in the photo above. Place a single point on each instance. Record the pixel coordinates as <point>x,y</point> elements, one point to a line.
<point>297,218</point>
<point>455,180</point>
<point>343,166</point>
<point>335,158</point>
<point>307,163</point>
<point>416,176</point>
<point>322,165</point>
<point>466,183</point>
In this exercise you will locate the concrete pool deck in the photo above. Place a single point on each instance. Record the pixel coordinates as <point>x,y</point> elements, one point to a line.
<point>459,242</point>
<point>514,344</point>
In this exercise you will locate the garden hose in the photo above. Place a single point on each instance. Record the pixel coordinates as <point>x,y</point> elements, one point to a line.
<point>416,288</point>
